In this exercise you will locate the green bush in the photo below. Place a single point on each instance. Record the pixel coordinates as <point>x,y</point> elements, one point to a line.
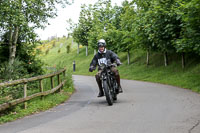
<point>14,71</point>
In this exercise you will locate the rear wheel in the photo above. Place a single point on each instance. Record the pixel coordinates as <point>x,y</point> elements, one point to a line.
<point>108,94</point>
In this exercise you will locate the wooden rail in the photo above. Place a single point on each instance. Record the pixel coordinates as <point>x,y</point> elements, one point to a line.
<point>41,93</point>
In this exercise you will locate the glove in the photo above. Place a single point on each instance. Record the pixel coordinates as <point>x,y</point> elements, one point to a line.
<point>91,69</point>
<point>118,62</point>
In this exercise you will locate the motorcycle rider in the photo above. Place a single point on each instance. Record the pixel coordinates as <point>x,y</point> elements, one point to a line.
<point>105,55</point>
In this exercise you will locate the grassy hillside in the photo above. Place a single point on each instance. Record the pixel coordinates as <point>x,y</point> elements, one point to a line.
<point>137,70</point>
<point>57,57</point>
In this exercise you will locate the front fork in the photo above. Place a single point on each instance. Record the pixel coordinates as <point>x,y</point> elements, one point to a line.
<point>103,78</point>
<point>112,86</point>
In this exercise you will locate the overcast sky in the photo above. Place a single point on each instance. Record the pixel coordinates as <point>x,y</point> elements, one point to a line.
<point>58,25</point>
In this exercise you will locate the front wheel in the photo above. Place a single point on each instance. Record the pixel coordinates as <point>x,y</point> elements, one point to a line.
<point>115,86</point>
<point>107,92</point>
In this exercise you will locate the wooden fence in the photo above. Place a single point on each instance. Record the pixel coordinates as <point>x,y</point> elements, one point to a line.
<point>41,94</point>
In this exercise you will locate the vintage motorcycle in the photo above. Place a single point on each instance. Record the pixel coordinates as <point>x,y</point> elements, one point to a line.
<point>109,82</point>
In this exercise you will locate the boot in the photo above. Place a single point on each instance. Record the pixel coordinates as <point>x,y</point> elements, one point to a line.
<point>100,90</point>
<point>100,93</point>
<point>100,87</point>
<point>119,90</point>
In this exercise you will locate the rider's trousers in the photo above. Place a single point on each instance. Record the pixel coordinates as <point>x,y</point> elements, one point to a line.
<point>116,73</point>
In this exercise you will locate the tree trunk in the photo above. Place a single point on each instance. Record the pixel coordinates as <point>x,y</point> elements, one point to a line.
<point>128,57</point>
<point>13,44</point>
<point>147,57</point>
<point>78,49</point>
<point>183,60</point>
<point>10,44</point>
<point>86,50</point>
<point>95,51</point>
<point>166,59</point>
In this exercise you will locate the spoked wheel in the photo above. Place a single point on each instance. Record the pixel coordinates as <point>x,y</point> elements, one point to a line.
<point>108,94</point>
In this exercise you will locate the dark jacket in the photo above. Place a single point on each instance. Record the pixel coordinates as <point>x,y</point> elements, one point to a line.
<point>99,57</point>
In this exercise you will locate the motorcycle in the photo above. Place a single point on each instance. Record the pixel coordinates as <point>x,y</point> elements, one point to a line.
<point>109,82</point>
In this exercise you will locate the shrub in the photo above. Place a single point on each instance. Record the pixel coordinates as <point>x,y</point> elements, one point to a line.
<point>14,71</point>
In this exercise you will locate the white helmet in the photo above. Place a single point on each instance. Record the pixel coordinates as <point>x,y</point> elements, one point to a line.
<point>101,43</point>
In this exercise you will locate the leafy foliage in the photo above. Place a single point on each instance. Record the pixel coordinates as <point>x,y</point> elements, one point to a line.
<point>155,25</point>
<point>81,31</point>
<point>18,21</point>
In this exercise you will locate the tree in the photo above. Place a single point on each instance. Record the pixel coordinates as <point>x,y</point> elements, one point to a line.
<point>101,20</point>
<point>127,23</point>
<point>105,24</point>
<point>164,27</point>
<point>81,31</point>
<point>24,16</point>
<point>189,40</point>
<point>142,28</point>
<point>71,27</point>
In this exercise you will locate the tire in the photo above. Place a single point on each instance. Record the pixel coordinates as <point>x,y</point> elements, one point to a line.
<point>115,94</point>
<point>108,95</point>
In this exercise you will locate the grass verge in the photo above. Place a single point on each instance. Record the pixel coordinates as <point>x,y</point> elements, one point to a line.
<point>35,106</point>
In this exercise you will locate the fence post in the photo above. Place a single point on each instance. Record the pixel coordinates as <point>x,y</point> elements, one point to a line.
<point>63,77</point>
<point>25,94</point>
<point>41,88</point>
<point>52,83</point>
<point>64,74</point>
<point>59,81</point>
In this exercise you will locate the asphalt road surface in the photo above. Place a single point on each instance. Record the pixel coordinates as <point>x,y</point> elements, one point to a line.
<point>142,108</point>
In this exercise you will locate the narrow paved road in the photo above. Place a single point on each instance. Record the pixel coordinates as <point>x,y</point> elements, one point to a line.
<point>142,108</point>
